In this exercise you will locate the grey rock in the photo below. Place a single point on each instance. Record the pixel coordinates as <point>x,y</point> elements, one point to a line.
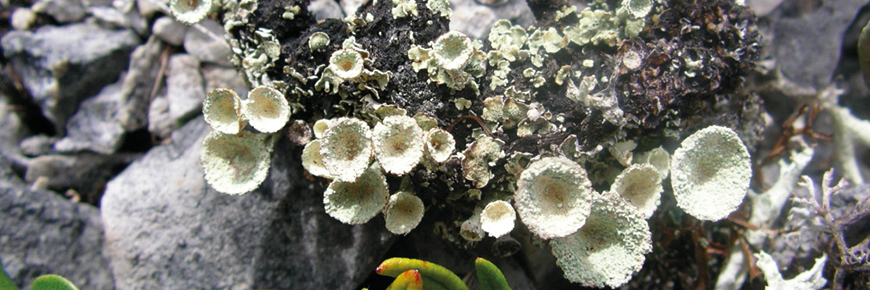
<point>166,229</point>
<point>324,9</point>
<point>37,145</point>
<point>12,128</point>
<point>350,6</point>
<point>475,19</point>
<point>807,39</point>
<point>184,86</point>
<point>22,19</point>
<point>148,8</point>
<point>111,17</point>
<point>207,48</point>
<point>60,66</point>
<point>94,127</point>
<point>169,30</point>
<point>160,124</point>
<point>64,11</point>
<point>86,173</point>
<point>43,233</point>
<point>137,88</point>
<point>223,77</point>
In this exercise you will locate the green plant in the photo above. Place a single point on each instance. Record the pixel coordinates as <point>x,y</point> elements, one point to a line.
<point>419,274</point>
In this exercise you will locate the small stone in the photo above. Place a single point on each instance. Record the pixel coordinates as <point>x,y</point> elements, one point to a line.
<point>94,127</point>
<point>204,47</point>
<point>23,19</point>
<point>64,11</point>
<point>37,145</point>
<point>169,30</point>
<point>324,9</point>
<point>159,123</point>
<point>184,86</point>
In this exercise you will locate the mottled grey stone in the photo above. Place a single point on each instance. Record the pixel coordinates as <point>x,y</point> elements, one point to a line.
<point>86,173</point>
<point>207,48</point>
<point>12,128</point>
<point>61,66</point>
<point>324,9</point>
<point>37,145</point>
<point>138,84</point>
<point>111,17</point>
<point>475,19</point>
<point>159,123</point>
<point>184,86</point>
<point>166,229</point>
<point>64,11</point>
<point>807,38</point>
<point>43,233</point>
<point>94,127</point>
<point>224,77</point>
<point>169,30</point>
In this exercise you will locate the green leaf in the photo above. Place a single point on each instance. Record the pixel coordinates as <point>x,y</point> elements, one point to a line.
<point>5,281</point>
<point>408,280</point>
<point>52,282</point>
<point>489,276</point>
<point>429,271</point>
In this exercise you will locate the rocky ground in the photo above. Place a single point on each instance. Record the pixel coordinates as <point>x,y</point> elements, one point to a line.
<point>100,130</point>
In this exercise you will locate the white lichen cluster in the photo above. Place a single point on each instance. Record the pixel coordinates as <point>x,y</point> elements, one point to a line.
<point>236,161</point>
<point>344,151</point>
<point>191,11</point>
<point>610,246</point>
<point>350,63</point>
<point>553,197</point>
<point>453,60</point>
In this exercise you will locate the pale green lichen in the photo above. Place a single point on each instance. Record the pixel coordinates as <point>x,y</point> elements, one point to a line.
<point>710,173</point>
<point>398,144</point>
<point>221,109</point>
<point>404,8</point>
<point>313,161</point>
<point>497,218</point>
<point>359,201</point>
<point>453,60</point>
<point>553,197</point>
<point>266,109</point>
<point>346,148</point>
<point>441,7</point>
<point>191,11</point>
<point>479,157</point>
<point>403,213</point>
<point>439,145</point>
<point>641,186</point>
<point>609,248</point>
<point>318,40</point>
<point>237,163</point>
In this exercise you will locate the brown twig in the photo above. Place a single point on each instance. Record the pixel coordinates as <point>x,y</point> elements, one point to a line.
<point>473,117</point>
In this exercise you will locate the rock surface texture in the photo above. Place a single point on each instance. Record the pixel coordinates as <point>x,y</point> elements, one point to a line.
<point>166,229</point>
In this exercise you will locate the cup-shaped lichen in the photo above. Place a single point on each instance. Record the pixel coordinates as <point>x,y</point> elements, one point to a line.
<point>346,148</point>
<point>710,173</point>
<point>609,248</point>
<point>313,161</point>
<point>221,110</point>
<point>403,213</point>
<point>398,143</point>
<point>641,186</point>
<point>190,11</point>
<point>359,201</point>
<point>439,144</point>
<point>346,63</point>
<point>318,40</point>
<point>235,163</point>
<point>452,50</point>
<point>553,197</point>
<point>266,109</point>
<point>497,218</point>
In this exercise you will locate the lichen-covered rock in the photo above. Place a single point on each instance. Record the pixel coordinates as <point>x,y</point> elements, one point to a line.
<point>160,210</point>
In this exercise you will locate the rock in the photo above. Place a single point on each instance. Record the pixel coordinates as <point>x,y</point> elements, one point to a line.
<point>167,229</point>
<point>37,145</point>
<point>207,48</point>
<point>12,128</point>
<point>475,19</point>
<point>184,86</point>
<point>147,8</point>
<point>169,30</point>
<point>86,173</point>
<point>350,6</point>
<point>111,17</point>
<point>61,66</point>
<point>324,9</point>
<point>807,39</point>
<point>159,123</point>
<point>23,19</point>
<point>223,77</point>
<point>94,127</point>
<point>43,233</point>
<point>138,84</point>
<point>64,11</point>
